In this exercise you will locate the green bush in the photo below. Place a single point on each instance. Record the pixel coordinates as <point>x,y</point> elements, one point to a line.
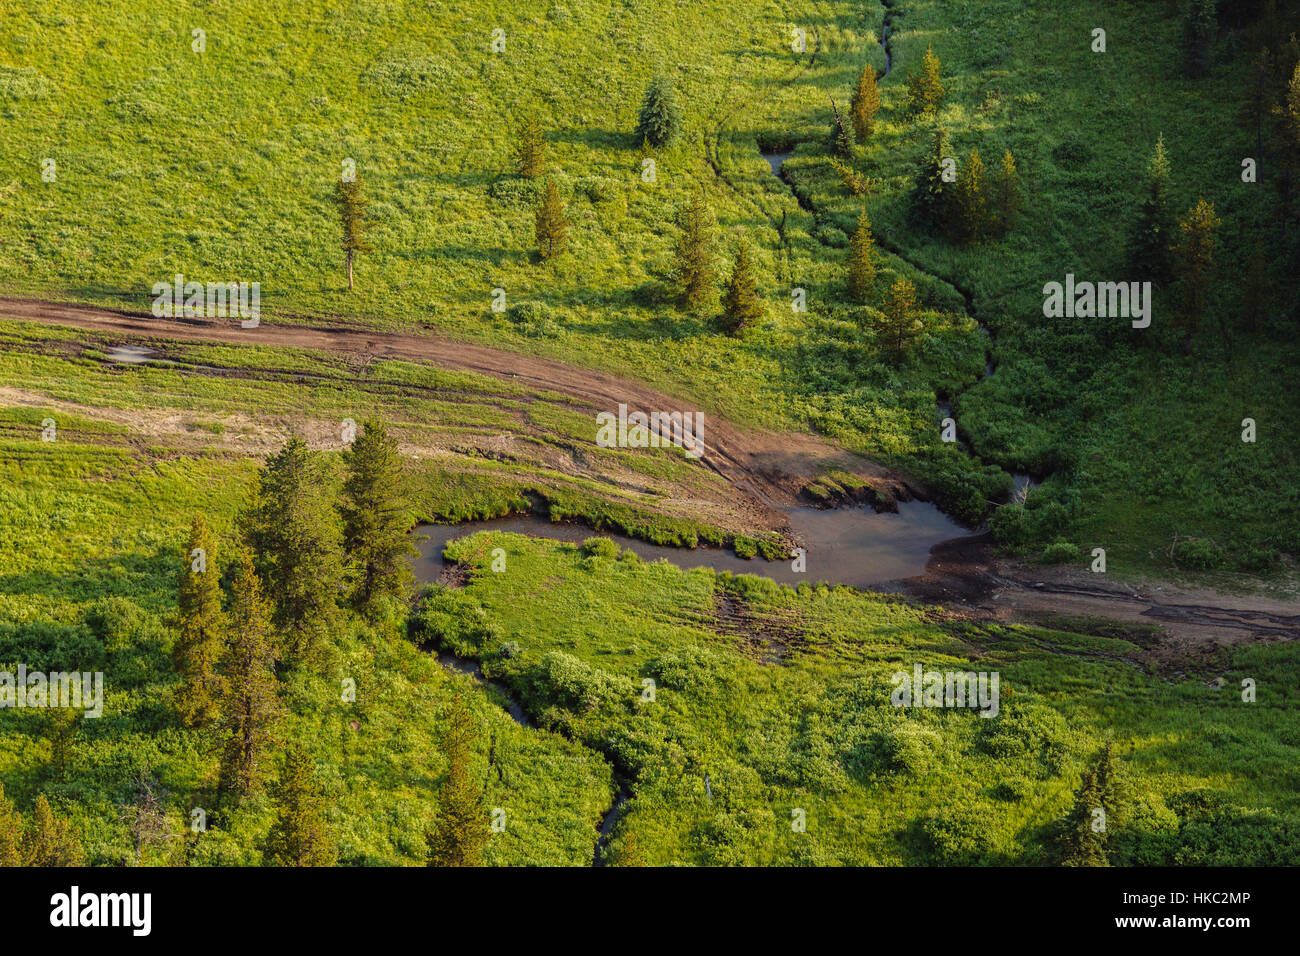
<point>1011,526</point>
<point>1061,551</point>
<point>600,547</point>
<point>567,682</point>
<point>451,620</point>
<point>535,319</point>
<point>1197,554</point>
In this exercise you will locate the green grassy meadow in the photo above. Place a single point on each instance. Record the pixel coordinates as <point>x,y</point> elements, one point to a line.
<point>221,164</point>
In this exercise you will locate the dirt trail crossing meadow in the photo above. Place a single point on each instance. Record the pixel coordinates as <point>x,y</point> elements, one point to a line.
<point>768,468</point>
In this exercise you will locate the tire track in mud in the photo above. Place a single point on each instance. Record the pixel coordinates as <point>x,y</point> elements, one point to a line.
<point>770,469</point>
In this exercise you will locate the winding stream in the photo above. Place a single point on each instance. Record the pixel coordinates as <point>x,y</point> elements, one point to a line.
<point>852,545</point>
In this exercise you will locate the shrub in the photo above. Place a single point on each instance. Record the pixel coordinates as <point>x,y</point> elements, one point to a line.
<point>564,681</point>
<point>1061,551</point>
<point>960,835</point>
<point>598,189</point>
<point>906,749</point>
<point>1197,554</point>
<point>451,620</point>
<point>1026,730</point>
<point>523,192</point>
<point>600,547</point>
<point>534,319</point>
<point>1010,526</point>
<point>830,236</point>
<point>691,669</point>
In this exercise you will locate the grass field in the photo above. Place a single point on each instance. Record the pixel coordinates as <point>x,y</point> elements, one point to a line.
<point>221,164</point>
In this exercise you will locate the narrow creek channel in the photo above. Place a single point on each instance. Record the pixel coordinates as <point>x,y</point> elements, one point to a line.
<point>852,545</point>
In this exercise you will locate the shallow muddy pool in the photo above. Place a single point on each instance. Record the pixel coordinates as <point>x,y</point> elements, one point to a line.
<point>854,546</point>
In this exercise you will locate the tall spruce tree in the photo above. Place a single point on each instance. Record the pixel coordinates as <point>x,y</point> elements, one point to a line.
<point>1153,233</point>
<point>695,265</point>
<point>301,833</point>
<point>461,832</point>
<point>861,260</point>
<point>1288,142</point>
<point>1008,199</point>
<point>294,531</point>
<point>350,198</point>
<point>931,205</point>
<point>660,121</point>
<point>1194,264</point>
<point>530,149</point>
<point>552,225</point>
<point>865,103</point>
<point>972,219</point>
<point>1200,23</point>
<point>1099,805</point>
<point>741,306</point>
<point>925,89</point>
<point>250,704</point>
<point>841,134</point>
<point>199,645</point>
<point>51,840</point>
<point>13,842</point>
<point>900,327</point>
<point>375,520</point>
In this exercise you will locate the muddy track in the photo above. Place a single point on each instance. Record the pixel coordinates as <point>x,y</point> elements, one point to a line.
<point>769,468</point>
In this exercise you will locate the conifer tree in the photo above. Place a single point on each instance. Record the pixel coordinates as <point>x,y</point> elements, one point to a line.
<point>198,648</point>
<point>695,267</point>
<point>375,523</point>
<point>1082,843</point>
<point>294,531</point>
<point>900,326</point>
<point>861,260</point>
<point>741,306</point>
<point>1256,295</point>
<point>1199,25</point>
<point>1153,234</point>
<point>865,103</point>
<point>932,198</point>
<point>301,833</point>
<point>1099,805</point>
<point>552,224</point>
<point>925,89</point>
<point>841,134</point>
<point>1007,197</point>
<point>349,196</point>
<point>461,831</point>
<point>51,840</point>
<point>250,705</point>
<point>660,121</point>
<point>972,199</point>
<point>65,725</point>
<point>12,840</point>
<point>530,149</point>
<point>1194,262</point>
<point>1288,142</point>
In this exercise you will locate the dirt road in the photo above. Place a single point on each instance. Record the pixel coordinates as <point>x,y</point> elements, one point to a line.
<point>770,469</point>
